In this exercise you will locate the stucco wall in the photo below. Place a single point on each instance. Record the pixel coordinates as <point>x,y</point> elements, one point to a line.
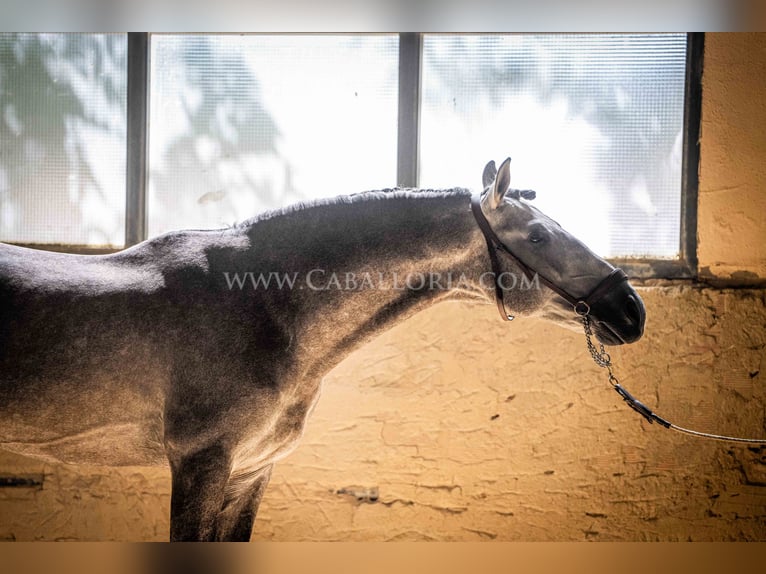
<point>436,431</point>
<point>732,200</point>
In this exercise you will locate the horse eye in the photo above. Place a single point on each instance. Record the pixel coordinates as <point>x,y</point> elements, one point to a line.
<point>536,237</point>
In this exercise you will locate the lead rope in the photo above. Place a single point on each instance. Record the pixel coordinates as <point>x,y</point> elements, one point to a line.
<point>603,360</point>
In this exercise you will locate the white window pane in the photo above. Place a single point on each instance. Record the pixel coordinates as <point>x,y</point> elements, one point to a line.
<point>62,138</point>
<point>240,124</point>
<point>594,123</point>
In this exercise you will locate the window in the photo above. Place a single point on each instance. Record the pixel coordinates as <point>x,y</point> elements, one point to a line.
<point>240,124</point>
<point>62,138</point>
<point>603,126</point>
<point>594,123</point>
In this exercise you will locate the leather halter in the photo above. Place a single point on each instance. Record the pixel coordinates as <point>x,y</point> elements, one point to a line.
<point>581,305</point>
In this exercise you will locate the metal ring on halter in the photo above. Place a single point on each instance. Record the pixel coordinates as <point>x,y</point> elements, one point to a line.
<point>582,308</point>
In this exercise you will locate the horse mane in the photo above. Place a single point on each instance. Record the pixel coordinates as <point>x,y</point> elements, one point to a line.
<point>387,194</point>
<point>528,194</point>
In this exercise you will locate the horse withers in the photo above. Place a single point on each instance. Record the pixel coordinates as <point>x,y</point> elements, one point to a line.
<point>205,350</point>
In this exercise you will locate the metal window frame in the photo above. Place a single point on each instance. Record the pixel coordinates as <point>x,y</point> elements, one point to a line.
<point>686,265</point>
<point>137,138</point>
<point>408,131</point>
<point>408,147</point>
<point>136,144</point>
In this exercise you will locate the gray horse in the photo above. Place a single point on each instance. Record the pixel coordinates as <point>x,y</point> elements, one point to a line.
<point>206,349</point>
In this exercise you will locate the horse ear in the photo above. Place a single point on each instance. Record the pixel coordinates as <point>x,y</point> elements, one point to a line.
<point>488,176</point>
<point>501,184</point>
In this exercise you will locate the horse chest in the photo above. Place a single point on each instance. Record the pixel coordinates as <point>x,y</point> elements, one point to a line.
<point>278,435</point>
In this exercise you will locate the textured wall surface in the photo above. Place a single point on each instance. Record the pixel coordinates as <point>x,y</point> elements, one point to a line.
<point>732,196</point>
<point>465,428</point>
<point>456,426</point>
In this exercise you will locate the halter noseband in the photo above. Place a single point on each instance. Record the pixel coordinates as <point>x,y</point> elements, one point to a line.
<point>581,305</point>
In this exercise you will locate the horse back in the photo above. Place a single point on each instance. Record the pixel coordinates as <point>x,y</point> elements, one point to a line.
<point>79,367</point>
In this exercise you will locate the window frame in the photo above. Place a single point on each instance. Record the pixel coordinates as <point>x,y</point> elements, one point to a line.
<point>408,136</point>
<point>686,266</point>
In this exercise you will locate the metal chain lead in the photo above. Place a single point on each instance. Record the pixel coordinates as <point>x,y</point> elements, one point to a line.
<point>600,356</point>
<point>603,360</point>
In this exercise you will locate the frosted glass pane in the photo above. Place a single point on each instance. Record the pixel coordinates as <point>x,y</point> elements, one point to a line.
<point>594,123</point>
<point>62,138</point>
<point>240,124</point>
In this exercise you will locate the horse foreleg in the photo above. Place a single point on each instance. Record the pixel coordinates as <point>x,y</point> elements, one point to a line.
<point>199,480</point>
<point>235,522</point>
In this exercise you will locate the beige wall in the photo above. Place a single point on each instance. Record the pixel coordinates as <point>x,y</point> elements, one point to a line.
<point>732,196</point>
<point>430,433</point>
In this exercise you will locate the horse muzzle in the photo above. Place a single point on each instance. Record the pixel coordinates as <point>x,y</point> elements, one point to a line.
<point>619,316</point>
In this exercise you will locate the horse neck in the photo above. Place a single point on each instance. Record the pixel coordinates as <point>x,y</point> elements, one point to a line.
<point>388,245</point>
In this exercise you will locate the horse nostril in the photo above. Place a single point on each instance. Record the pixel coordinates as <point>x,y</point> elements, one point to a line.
<point>632,310</point>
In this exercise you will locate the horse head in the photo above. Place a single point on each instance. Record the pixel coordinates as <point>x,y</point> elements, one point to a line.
<point>578,281</point>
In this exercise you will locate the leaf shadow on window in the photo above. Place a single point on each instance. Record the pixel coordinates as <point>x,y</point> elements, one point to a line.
<point>62,128</point>
<point>215,154</point>
<point>240,124</point>
<point>62,96</point>
<point>627,90</point>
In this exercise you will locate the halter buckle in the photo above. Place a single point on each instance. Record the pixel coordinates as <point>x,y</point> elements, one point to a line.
<point>582,309</point>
